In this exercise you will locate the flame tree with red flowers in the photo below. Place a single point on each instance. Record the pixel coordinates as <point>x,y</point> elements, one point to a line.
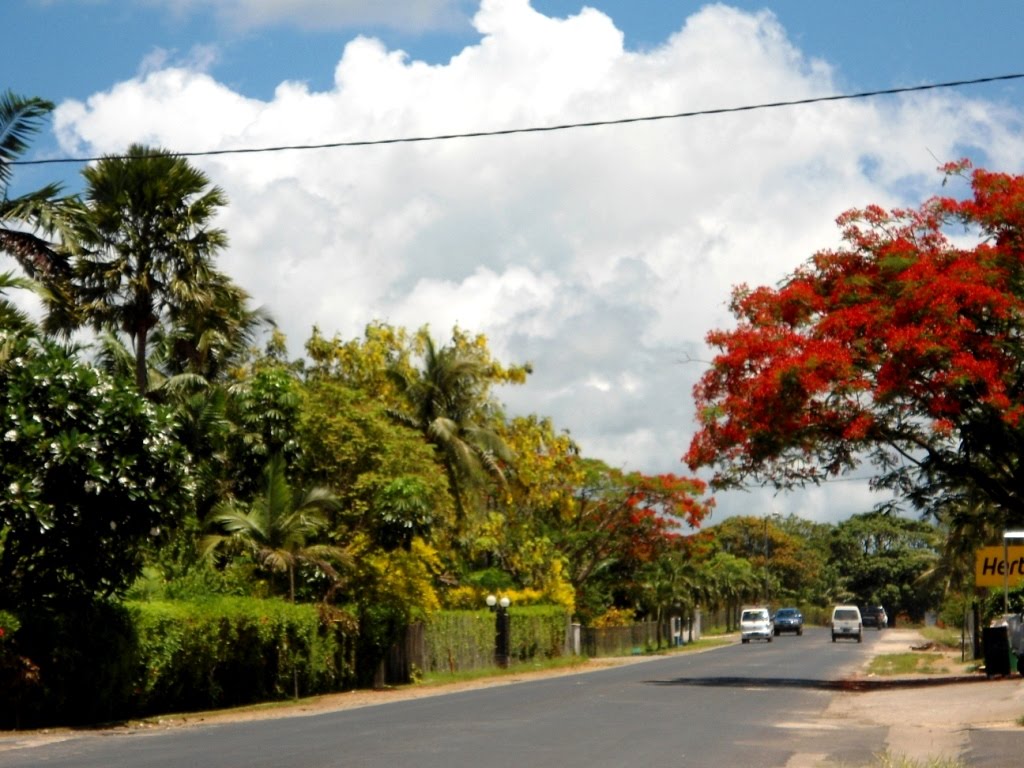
<point>904,348</point>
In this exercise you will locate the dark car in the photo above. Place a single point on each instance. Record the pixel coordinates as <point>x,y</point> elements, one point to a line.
<point>874,616</point>
<point>789,620</point>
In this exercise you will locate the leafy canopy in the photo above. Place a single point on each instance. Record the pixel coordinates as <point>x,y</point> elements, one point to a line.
<point>91,475</point>
<point>903,348</point>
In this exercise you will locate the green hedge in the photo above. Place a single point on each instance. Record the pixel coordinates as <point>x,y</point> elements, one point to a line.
<point>464,640</point>
<point>107,661</point>
<point>110,661</point>
<point>73,665</point>
<point>231,651</point>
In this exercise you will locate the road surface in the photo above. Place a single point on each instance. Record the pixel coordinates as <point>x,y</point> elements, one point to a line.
<point>760,704</point>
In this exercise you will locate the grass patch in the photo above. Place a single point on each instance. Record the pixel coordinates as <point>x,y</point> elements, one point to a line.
<point>907,663</point>
<point>462,676</point>
<point>946,636</point>
<point>888,760</point>
<point>558,663</point>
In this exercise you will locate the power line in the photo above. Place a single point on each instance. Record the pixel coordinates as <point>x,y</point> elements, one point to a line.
<point>545,128</point>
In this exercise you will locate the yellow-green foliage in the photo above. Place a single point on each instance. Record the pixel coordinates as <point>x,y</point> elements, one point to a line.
<point>470,598</point>
<point>615,617</point>
<point>401,578</point>
<point>231,651</point>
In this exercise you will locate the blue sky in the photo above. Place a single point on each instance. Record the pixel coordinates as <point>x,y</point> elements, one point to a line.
<point>71,48</point>
<point>602,256</point>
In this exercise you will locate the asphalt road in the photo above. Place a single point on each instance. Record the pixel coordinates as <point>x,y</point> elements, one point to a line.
<point>751,705</point>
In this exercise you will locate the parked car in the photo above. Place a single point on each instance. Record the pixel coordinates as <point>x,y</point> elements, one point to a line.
<point>847,622</point>
<point>756,623</point>
<point>789,620</point>
<point>874,616</point>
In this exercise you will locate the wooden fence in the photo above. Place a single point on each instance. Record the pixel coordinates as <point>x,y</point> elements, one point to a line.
<point>625,641</point>
<point>420,649</point>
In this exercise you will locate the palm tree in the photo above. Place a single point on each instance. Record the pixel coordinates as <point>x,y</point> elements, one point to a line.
<point>214,334</point>
<point>278,527</point>
<point>670,583</point>
<point>41,210</point>
<point>448,403</point>
<point>12,318</point>
<point>145,246</point>
<point>731,580</point>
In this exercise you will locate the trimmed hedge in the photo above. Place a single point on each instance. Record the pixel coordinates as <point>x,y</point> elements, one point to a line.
<point>232,651</point>
<point>107,661</point>
<point>464,640</point>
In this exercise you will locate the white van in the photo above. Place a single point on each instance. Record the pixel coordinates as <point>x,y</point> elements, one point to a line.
<point>847,622</point>
<point>756,623</point>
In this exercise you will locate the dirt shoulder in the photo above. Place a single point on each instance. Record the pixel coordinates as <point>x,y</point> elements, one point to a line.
<point>928,714</point>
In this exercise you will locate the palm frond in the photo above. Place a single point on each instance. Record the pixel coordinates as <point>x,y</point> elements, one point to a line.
<point>20,118</point>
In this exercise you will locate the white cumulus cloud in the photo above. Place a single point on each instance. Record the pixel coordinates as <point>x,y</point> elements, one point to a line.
<point>601,255</point>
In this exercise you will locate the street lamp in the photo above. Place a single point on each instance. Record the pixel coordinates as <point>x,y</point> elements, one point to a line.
<point>1007,535</point>
<point>502,643</point>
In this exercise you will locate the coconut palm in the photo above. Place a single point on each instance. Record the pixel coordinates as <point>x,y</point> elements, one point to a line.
<point>145,246</point>
<point>278,528</point>
<point>669,583</point>
<point>214,334</point>
<point>21,218</point>
<point>448,403</point>
<point>11,317</point>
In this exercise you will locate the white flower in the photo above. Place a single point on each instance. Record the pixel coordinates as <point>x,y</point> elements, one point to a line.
<point>10,435</point>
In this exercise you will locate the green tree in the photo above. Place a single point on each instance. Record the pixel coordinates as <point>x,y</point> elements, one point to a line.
<point>90,472</point>
<point>669,586</point>
<point>883,559</point>
<point>386,477</point>
<point>278,528</point>
<point>11,317</point>
<point>145,248</point>
<point>449,402</point>
<point>215,335</point>
<point>730,581</point>
<point>43,211</point>
<point>791,568</point>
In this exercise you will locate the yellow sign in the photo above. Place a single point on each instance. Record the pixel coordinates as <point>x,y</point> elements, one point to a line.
<point>990,569</point>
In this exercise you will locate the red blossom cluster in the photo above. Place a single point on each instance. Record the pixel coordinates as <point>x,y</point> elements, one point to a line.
<point>904,337</point>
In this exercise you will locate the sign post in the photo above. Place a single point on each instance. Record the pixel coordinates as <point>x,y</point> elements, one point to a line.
<point>999,566</point>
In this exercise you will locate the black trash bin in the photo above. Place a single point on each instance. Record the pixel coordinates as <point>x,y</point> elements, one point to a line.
<point>996,641</point>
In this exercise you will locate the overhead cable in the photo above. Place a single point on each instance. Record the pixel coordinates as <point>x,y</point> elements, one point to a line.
<point>544,128</point>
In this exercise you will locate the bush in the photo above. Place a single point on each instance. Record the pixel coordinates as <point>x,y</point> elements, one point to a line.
<point>230,651</point>
<point>82,659</point>
<point>104,661</point>
<point>459,641</point>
